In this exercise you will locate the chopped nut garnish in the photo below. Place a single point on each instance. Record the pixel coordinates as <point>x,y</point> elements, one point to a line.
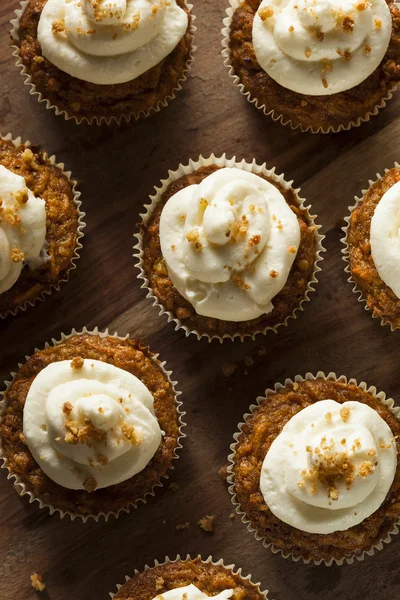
<point>239,282</point>
<point>378,23</point>
<point>307,52</point>
<point>129,433</point>
<point>193,237</point>
<point>362,6</point>
<point>328,417</point>
<point>67,408</point>
<point>90,484</point>
<point>291,28</point>
<point>203,203</point>
<point>77,362</point>
<point>345,413</point>
<point>22,196</point>
<point>266,13</point>
<point>103,460</point>
<point>273,274</point>
<point>58,26</point>
<point>255,240</point>
<point>17,255</point>
<point>37,582</point>
<point>292,249</point>
<point>333,494</point>
<point>317,33</point>
<point>367,50</point>
<point>87,434</point>
<point>207,523</point>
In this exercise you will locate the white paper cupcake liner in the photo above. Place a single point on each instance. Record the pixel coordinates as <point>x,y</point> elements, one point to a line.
<point>112,120</point>
<point>19,484</point>
<point>275,115</point>
<point>207,561</point>
<point>346,252</point>
<point>381,396</point>
<point>54,287</point>
<point>223,161</point>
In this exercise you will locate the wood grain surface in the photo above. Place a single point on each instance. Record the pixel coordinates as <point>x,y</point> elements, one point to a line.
<point>116,170</point>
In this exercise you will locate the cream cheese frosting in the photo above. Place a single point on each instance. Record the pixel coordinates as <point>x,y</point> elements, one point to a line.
<point>109,41</point>
<point>22,227</point>
<point>229,244</point>
<point>385,238</point>
<point>321,47</point>
<point>89,424</point>
<point>330,468</point>
<point>191,592</point>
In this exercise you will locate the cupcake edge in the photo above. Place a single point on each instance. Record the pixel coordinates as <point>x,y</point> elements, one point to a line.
<point>346,251</point>
<point>81,226</point>
<point>132,117</point>
<point>209,560</point>
<point>276,116</point>
<point>253,167</point>
<point>381,396</point>
<point>20,486</point>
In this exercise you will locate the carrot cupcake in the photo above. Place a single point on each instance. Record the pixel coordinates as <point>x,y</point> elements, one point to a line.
<point>372,245</point>
<point>228,249</point>
<point>320,66</point>
<point>90,425</point>
<point>97,60</point>
<point>190,579</point>
<point>40,225</point>
<point>315,472</point>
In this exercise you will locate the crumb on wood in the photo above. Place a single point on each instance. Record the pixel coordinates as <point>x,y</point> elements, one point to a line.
<point>232,516</point>
<point>207,523</point>
<point>248,361</point>
<point>228,369</point>
<point>174,487</point>
<point>37,582</point>
<point>182,526</point>
<point>223,472</point>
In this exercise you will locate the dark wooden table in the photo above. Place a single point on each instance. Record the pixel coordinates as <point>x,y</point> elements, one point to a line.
<point>117,169</point>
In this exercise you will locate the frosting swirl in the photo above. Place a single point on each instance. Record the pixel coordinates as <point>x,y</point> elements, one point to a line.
<point>109,41</point>
<point>229,244</point>
<point>22,227</point>
<point>330,468</point>
<point>191,592</point>
<point>385,238</point>
<point>89,424</point>
<point>321,47</point>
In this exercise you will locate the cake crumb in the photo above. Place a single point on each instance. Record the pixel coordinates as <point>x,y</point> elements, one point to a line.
<point>232,516</point>
<point>174,487</point>
<point>262,351</point>
<point>182,526</point>
<point>296,386</point>
<point>58,26</point>
<point>17,255</point>
<point>77,362</point>
<point>206,523</point>
<point>67,408</point>
<point>228,369</point>
<point>223,472</point>
<point>345,413</point>
<point>159,583</point>
<point>248,361</point>
<point>266,13</point>
<point>37,582</point>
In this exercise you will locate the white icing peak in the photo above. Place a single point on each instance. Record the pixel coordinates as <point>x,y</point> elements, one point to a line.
<point>22,227</point>
<point>321,47</point>
<point>89,424</point>
<point>109,41</point>
<point>385,238</point>
<point>229,244</point>
<point>191,592</point>
<point>330,468</point>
